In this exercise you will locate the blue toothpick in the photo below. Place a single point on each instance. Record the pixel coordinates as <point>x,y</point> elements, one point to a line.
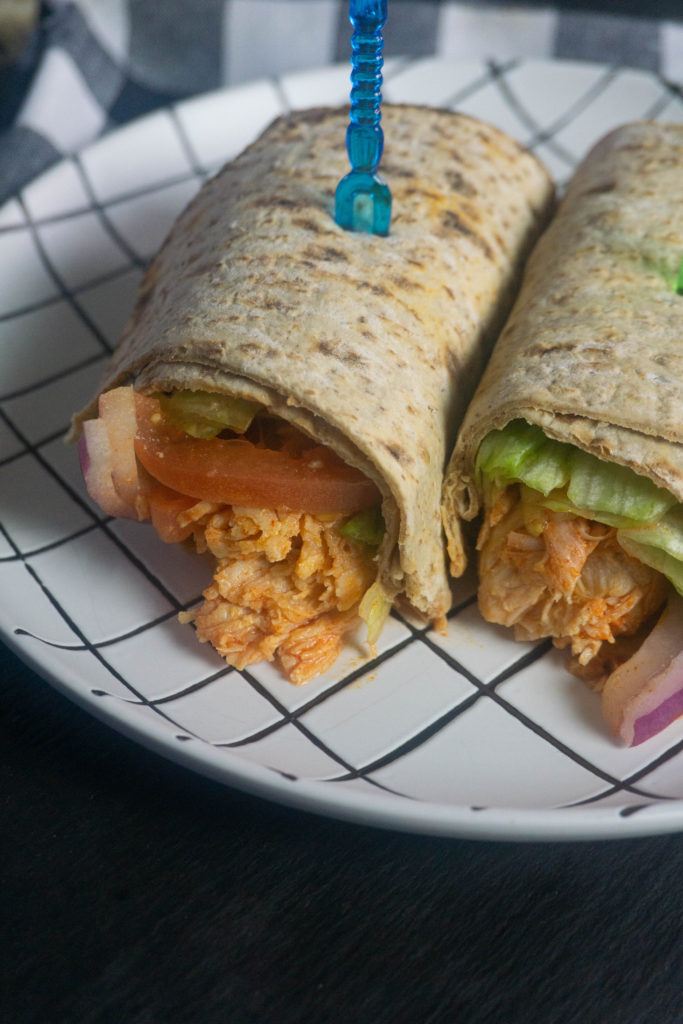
<point>362,201</point>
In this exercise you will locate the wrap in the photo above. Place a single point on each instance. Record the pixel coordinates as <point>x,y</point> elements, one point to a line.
<point>592,354</point>
<point>369,346</point>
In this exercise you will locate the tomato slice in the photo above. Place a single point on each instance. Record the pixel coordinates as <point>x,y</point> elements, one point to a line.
<point>165,506</point>
<point>237,472</point>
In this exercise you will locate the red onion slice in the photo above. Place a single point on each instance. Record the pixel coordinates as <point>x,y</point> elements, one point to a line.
<point>94,449</point>
<point>112,475</point>
<point>645,694</point>
<point>117,412</point>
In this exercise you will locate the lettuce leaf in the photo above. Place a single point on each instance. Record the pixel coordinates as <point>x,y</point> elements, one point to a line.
<point>648,519</point>
<point>366,527</point>
<point>659,546</point>
<point>521,452</point>
<point>605,487</point>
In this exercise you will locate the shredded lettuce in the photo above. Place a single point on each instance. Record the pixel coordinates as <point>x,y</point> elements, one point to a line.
<point>656,558</point>
<point>667,534</point>
<point>205,414</point>
<point>571,479</point>
<point>659,546</point>
<point>648,519</point>
<point>605,487</point>
<point>366,527</point>
<point>521,452</point>
<point>560,503</point>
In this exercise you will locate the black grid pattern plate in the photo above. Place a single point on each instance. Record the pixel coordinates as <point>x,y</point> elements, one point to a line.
<point>460,733</point>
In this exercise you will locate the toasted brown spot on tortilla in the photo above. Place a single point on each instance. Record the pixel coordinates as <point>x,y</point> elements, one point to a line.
<point>327,253</point>
<point>376,289</point>
<point>390,170</point>
<point>288,203</point>
<point>338,350</point>
<point>406,283</point>
<point>544,350</point>
<point>597,190</point>
<point>454,222</point>
<point>306,223</point>
<point>470,211</point>
<point>250,347</point>
<point>334,254</point>
<point>397,452</point>
<point>278,304</point>
<point>437,197</point>
<point>458,182</point>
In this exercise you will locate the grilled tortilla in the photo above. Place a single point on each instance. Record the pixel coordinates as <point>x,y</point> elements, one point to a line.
<point>370,346</point>
<point>592,354</point>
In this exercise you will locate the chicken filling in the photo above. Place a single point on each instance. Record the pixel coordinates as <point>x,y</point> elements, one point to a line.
<point>556,574</point>
<point>287,585</point>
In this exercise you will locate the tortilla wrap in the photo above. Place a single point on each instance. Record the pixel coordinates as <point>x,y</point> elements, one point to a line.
<point>370,345</point>
<point>593,349</point>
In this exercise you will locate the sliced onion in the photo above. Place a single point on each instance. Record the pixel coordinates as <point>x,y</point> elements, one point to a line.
<point>94,449</point>
<point>374,609</point>
<point>645,694</point>
<point>117,412</point>
<point>112,475</point>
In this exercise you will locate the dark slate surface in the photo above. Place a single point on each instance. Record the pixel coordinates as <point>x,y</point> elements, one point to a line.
<point>135,891</point>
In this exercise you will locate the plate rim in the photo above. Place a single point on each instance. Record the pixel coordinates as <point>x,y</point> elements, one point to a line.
<point>373,809</point>
<point>317,796</point>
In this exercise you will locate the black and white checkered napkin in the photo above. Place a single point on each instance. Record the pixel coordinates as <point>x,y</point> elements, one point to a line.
<point>98,63</point>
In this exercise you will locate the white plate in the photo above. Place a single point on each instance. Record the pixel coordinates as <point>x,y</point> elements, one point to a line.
<point>466,733</point>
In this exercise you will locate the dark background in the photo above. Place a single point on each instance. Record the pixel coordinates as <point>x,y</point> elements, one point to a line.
<point>135,892</point>
<point>668,9</point>
<point>20,52</point>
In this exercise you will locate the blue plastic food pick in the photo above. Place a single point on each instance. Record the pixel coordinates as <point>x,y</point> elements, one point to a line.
<point>362,201</point>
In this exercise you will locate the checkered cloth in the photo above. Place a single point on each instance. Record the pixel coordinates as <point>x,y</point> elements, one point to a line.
<point>94,64</point>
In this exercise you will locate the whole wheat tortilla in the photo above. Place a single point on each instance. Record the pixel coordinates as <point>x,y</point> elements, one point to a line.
<point>593,349</point>
<point>370,345</point>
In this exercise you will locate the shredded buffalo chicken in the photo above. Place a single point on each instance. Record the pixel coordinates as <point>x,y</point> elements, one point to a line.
<point>554,574</point>
<point>286,585</point>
